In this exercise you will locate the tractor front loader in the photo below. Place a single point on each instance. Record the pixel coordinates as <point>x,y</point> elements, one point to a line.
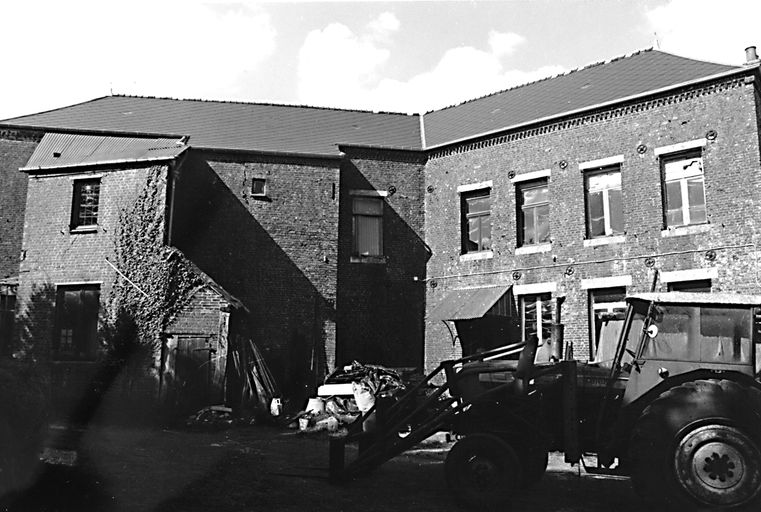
<point>678,409</point>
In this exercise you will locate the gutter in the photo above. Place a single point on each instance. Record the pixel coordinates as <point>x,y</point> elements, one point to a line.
<point>596,106</point>
<point>83,131</point>
<point>289,154</point>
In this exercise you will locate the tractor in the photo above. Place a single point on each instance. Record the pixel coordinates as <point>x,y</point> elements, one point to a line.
<point>677,409</point>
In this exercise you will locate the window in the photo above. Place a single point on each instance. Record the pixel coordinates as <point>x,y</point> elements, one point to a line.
<point>607,310</point>
<point>259,187</point>
<point>605,216</point>
<point>84,210</point>
<point>533,213</point>
<point>684,200</point>
<point>705,334</point>
<point>76,326</point>
<point>367,224</point>
<point>476,221</point>
<point>699,285</point>
<point>536,316</point>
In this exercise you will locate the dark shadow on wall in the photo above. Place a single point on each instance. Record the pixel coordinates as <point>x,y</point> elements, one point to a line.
<point>381,306</point>
<point>113,386</point>
<point>288,314</point>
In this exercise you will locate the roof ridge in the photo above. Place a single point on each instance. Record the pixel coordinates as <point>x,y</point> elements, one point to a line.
<point>256,103</point>
<point>3,121</point>
<point>551,77</point>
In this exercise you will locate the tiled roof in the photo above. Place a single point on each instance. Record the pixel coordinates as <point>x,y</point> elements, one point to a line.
<point>317,131</point>
<point>234,126</point>
<point>58,150</point>
<point>648,70</point>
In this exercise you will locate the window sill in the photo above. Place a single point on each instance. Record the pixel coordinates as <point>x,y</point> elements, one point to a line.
<point>83,229</point>
<point>475,256</point>
<point>605,240</point>
<point>533,249</point>
<point>693,229</point>
<point>378,260</point>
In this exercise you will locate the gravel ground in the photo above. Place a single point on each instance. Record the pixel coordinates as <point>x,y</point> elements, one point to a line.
<point>264,468</point>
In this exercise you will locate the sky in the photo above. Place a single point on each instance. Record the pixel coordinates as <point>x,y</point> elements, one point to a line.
<point>400,56</point>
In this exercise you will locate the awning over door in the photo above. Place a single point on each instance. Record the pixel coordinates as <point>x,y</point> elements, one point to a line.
<point>469,303</point>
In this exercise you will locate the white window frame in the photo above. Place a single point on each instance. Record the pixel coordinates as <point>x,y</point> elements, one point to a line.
<point>473,191</point>
<point>538,308</point>
<point>683,177</point>
<point>521,187</point>
<point>616,168</point>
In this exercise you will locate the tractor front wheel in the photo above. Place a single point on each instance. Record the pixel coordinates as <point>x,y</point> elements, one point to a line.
<point>482,471</point>
<point>698,445</point>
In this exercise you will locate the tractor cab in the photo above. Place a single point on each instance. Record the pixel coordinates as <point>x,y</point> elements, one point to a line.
<point>667,335</point>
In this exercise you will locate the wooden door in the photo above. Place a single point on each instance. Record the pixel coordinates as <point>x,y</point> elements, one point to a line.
<point>193,372</point>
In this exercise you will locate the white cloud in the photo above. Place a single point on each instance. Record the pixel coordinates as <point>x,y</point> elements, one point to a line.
<point>339,68</point>
<point>65,52</point>
<point>384,25</point>
<point>504,43</point>
<point>335,66</point>
<point>707,30</point>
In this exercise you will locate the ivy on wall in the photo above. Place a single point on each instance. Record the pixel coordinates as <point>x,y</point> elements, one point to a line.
<point>157,281</point>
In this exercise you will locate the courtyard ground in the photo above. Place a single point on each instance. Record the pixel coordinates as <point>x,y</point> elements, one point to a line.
<point>259,468</point>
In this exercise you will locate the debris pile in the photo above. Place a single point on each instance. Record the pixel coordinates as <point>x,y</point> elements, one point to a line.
<point>365,382</point>
<point>212,417</point>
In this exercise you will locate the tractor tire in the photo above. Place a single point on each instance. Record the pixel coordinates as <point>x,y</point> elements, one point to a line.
<point>698,445</point>
<point>482,471</point>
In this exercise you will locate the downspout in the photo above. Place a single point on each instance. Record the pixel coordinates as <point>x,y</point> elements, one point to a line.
<point>171,195</point>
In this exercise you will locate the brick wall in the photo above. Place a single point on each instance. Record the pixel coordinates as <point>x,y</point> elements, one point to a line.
<point>277,254</point>
<point>381,303</point>
<point>732,185</point>
<point>15,149</point>
<point>56,256</point>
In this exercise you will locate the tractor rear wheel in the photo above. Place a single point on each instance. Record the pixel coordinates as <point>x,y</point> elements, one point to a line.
<point>698,445</point>
<point>482,471</point>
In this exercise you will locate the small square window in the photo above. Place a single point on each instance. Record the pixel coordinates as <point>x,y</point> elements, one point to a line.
<point>259,187</point>
<point>85,204</point>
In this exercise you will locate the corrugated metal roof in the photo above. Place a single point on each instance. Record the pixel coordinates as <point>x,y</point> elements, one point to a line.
<point>57,150</point>
<point>648,70</point>
<point>234,126</point>
<point>700,298</point>
<point>468,303</point>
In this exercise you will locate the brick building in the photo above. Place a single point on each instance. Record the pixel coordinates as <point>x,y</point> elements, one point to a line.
<point>386,238</point>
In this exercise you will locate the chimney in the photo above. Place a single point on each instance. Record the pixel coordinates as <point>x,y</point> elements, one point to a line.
<point>751,57</point>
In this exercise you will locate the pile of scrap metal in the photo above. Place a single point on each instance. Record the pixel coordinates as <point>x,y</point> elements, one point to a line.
<point>212,417</point>
<point>348,393</point>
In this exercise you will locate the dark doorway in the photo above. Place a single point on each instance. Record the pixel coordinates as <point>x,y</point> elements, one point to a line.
<point>193,372</point>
